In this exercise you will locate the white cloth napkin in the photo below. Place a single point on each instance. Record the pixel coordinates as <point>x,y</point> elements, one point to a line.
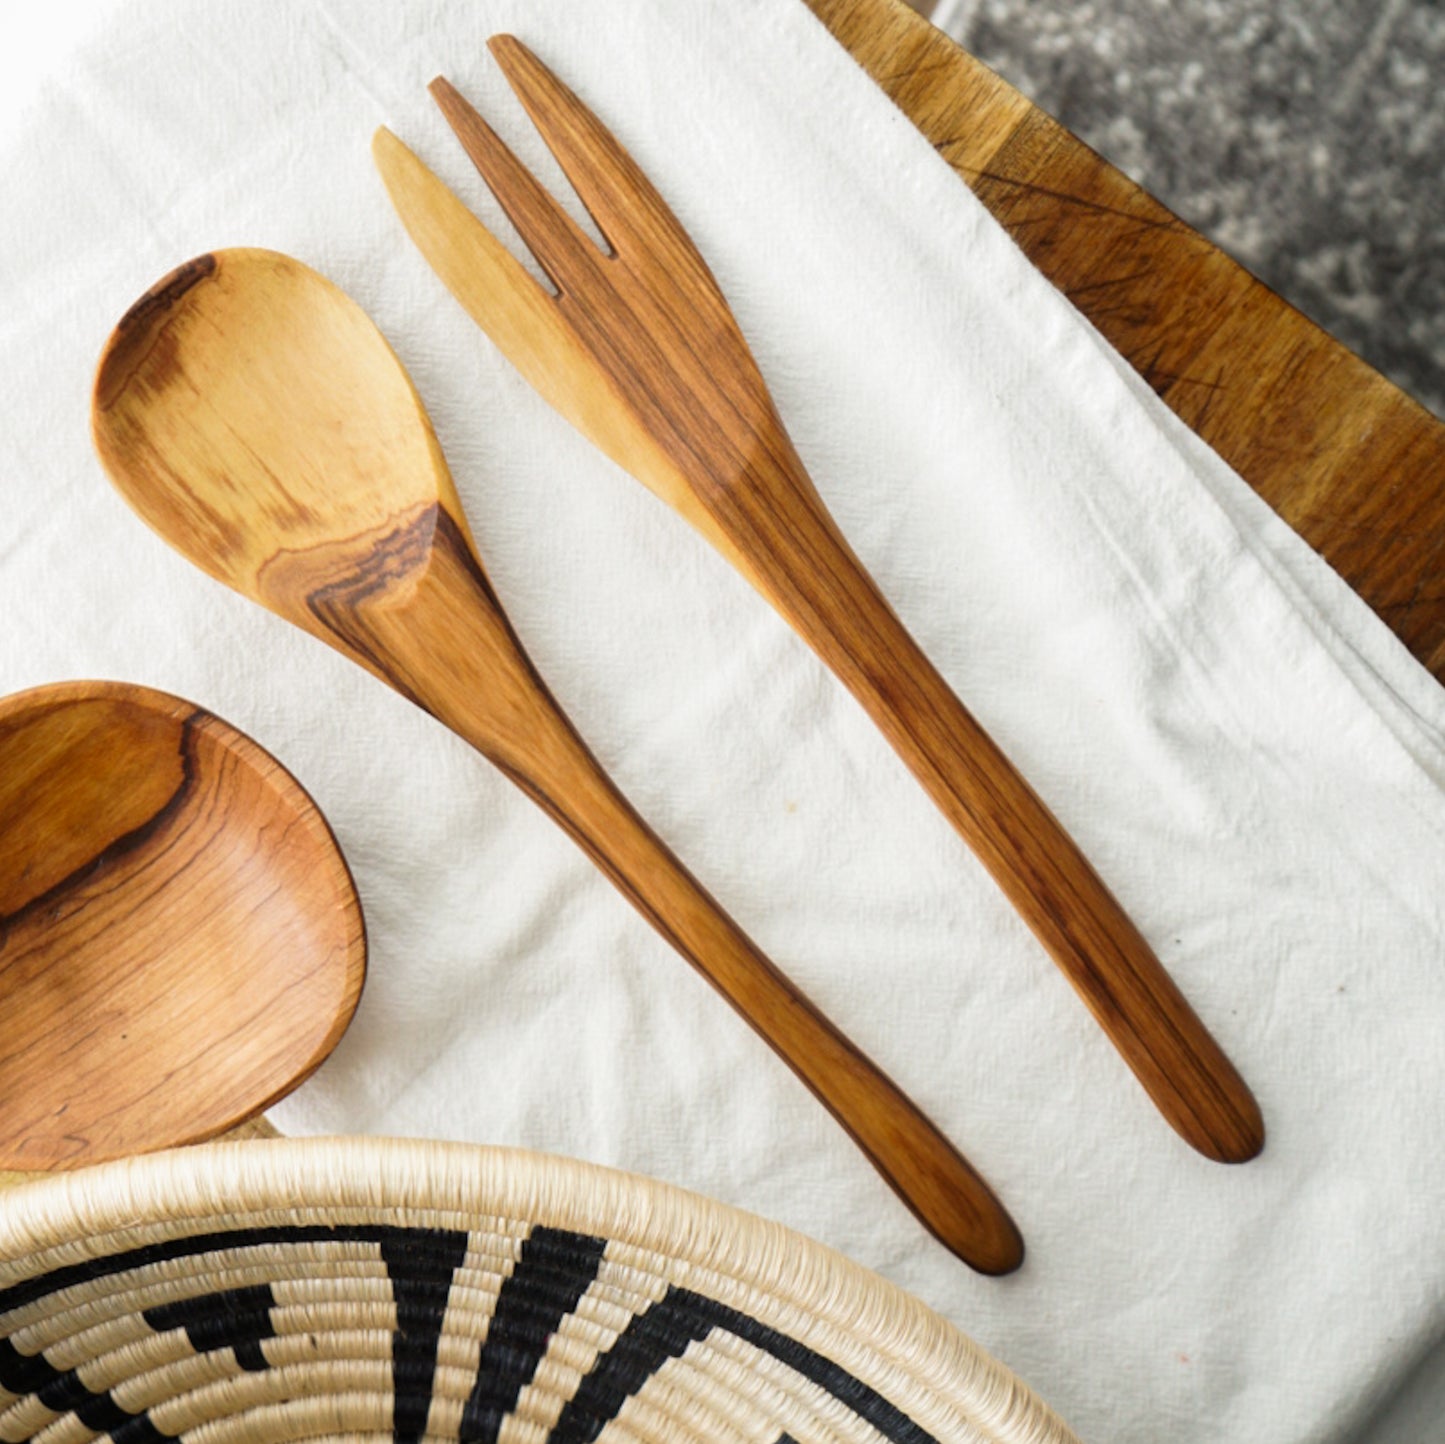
<point>1249,758</point>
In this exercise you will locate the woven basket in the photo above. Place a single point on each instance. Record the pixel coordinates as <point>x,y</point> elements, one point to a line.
<point>360,1289</point>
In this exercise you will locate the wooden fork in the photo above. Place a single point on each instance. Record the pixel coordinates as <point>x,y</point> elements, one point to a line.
<point>639,350</point>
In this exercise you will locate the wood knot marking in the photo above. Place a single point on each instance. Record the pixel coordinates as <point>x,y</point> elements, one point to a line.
<point>375,567</point>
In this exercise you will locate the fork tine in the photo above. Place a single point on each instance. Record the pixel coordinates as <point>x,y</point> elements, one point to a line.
<point>563,250</point>
<point>498,292</point>
<point>618,196</point>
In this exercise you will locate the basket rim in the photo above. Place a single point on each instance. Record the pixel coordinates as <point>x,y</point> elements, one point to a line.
<point>827,1298</point>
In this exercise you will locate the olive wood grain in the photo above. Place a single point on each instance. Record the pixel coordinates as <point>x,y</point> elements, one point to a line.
<point>1350,461</point>
<point>252,414</point>
<point>180,940</point>
<point>640,351</point>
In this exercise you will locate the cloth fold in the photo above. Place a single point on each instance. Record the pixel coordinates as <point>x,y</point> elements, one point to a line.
<point>1247,756</point>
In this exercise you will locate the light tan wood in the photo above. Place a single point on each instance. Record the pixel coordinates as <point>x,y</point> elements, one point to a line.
<point>1350,461</point>
<point>640,351</point>
<point>252,414</point>
<point>180,940</point>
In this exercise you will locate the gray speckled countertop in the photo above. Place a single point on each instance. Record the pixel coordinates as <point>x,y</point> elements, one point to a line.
<point>1305,137</point>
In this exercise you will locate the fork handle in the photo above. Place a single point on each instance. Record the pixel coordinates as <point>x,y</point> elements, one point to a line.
<point>813,578</point>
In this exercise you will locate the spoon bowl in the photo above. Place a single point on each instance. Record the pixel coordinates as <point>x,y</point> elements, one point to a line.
<point>181,943</point>
<point>250,413</point>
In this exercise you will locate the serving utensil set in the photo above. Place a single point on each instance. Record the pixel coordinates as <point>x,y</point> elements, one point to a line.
<point>255,418</point>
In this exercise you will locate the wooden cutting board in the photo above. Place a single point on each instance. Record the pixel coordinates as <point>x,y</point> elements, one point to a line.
<point>1353,464</point>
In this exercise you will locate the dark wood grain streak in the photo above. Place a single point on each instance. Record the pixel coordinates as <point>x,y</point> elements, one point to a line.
<point>282,448</point>
<point>1351,462</point>
<point>104,856</point>
<point>181,943</point>
<point>143,325</point>
<point>641,352</point>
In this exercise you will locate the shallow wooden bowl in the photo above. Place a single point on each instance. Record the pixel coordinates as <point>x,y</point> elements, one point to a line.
<point>181,941</point>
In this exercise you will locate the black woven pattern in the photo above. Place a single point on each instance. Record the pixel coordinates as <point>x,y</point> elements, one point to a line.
<point>236,1319</point>
<point>422,1265</point>
<point>682,1318</point>
<point>551,1276</point>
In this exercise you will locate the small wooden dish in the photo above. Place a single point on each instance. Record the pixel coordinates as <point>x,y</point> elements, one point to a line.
<point>181,942</point>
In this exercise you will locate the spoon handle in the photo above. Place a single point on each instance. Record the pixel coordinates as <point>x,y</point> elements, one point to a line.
<point>922,1166</point>
<point>795,555</point>
<point>449,647</point>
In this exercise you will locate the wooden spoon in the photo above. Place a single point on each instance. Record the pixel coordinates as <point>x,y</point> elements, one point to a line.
<point>254,416</point>
<point>180,940</point>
